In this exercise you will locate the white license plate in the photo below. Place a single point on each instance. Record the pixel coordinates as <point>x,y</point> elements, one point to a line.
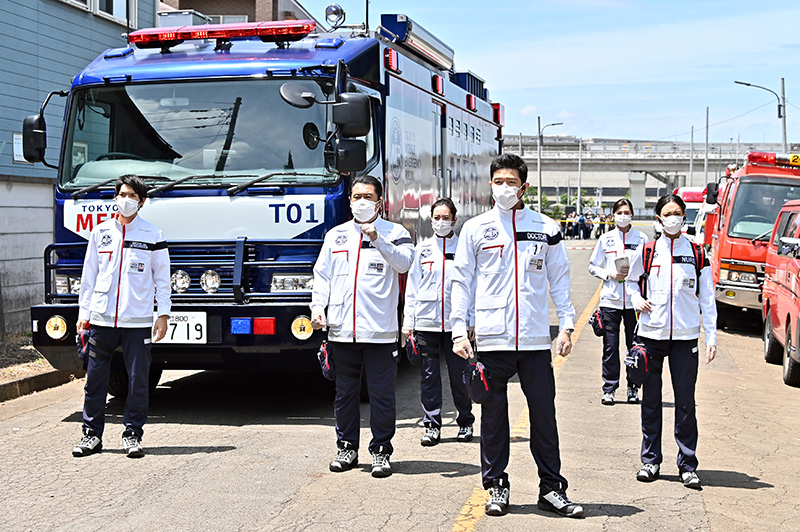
<point>186,328</point>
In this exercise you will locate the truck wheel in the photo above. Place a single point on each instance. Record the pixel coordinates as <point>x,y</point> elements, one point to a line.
<point>722,317</point>
<point>772,349</point>
<point>791,369</point>
<point>118,381</point>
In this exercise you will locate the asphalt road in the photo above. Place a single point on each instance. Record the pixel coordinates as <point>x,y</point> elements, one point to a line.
<point>240,452</point>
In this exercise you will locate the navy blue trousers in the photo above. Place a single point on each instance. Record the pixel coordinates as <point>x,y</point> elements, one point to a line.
<point>535,372</point>
<point>614,319</point>
<point>136,355</point>
<point>379,363</point>
<point>682,357</point>
<point>433,345</point>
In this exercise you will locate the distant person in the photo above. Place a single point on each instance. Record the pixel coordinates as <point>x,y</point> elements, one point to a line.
<point>125,270</point>
<point>676,301</point>
<point>356,279</point>
<point>616,308</point>
<point>582,226</point>
<point>427,317</point>
<point>505,261</point>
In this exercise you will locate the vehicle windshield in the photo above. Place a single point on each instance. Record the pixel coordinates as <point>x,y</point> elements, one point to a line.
<point>224,132</point>
<point>691,214</point>
<point>756,206</point>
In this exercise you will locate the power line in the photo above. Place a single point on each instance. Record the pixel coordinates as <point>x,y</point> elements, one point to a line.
<point>719,123</point>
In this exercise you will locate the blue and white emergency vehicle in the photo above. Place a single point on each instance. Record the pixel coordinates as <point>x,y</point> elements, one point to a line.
<point>248,135</point>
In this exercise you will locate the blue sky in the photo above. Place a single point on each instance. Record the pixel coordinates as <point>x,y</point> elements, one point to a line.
<point>624,69</point>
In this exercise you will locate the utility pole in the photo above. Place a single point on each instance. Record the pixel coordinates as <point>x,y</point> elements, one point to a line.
<point>783,116</point>
<point>580,156</point>
<point>705,164</point>
<point>691,159</point>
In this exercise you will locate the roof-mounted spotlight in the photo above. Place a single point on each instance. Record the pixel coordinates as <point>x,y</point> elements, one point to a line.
<point>335,15</point>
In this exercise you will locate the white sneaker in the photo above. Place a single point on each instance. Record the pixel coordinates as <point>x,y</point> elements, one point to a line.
<point>608,398</point>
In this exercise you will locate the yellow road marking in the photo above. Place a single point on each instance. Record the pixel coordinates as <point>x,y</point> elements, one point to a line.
<point>473,509</point>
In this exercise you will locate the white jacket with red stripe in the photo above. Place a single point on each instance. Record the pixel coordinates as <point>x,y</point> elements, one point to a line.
<point>357,280</point>
<point>672,290</point>
<point>511,257</point>
<point>611,246</point>
<point>126,267</point>
<point>429,288</point>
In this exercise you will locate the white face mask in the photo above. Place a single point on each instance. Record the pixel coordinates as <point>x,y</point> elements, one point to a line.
<point>672,224</point>
<point>363,209</point>
<point>127,206</point>
<point>442,227</point>
<point>622,220</point>
<point>505,196</point>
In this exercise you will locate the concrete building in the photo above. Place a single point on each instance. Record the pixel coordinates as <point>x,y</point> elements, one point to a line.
<point>43,44</point>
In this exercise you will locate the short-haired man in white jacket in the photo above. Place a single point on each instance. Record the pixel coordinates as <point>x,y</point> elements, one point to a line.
<point>356,279</point>
<point>512,254</point>
<point>126,267</point>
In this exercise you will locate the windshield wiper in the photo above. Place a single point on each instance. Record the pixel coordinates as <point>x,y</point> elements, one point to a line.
<point>167,186</point>
<point>91,188</point>
<point>759,237</point>
<point>235,189</point>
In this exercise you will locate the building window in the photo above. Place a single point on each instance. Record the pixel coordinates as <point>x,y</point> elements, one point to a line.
<point>80,4</point>
<point>120,11</point>
<point>228,19</point>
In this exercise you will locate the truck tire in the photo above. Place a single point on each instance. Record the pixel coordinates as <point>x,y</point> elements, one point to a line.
<point>118,381</point>
<point>773,353</point>
<point>722,317</point>
<point>791,369</point>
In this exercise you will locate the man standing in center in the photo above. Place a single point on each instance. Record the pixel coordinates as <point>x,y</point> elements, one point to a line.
<point>511,254</point>
<point>356,278</point>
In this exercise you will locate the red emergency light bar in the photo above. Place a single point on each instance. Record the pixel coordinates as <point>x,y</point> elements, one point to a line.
<point>472,104</point>
<point>764,158</point>
<point>276,31</point>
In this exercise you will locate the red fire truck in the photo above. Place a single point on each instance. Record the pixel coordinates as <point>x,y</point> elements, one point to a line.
<point>739,231</point>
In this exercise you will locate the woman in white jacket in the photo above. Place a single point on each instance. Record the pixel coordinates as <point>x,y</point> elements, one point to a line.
<point>616,308</point>
<point>679,296</point>
<point>427,315</point>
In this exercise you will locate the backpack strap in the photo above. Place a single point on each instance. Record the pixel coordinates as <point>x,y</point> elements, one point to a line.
<point>699,262</point>
<point>648,252</point>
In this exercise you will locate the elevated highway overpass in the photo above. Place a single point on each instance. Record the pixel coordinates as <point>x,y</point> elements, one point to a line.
<point>608,168</point>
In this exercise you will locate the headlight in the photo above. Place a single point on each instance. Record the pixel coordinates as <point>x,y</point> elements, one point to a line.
<point>210,281</point>
<point>723,275</point>
<point>747,277</point>
<point>733,276</point>
<point>292,282</point>
<point>180,281</point>
<point>66,284</point>
<point>56,327</point>
<point>301,327</point>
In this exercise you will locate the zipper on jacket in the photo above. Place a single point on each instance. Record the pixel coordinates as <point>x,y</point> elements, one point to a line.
<point>671,288</point>
<point>623,282</point>
<point>355,285</point>
<point>516,278</point>
<point>444,260</point>
<point>119,280</point>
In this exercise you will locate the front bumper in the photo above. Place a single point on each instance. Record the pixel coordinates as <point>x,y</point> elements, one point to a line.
<point>281,351</point>
<point>739,296</point>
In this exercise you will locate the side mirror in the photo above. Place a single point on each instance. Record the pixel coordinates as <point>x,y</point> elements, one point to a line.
<point>351,114</point>
<point>691,230</point>
<point>347,155</point>
<point>712,191</point>
<point>34,138</point>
